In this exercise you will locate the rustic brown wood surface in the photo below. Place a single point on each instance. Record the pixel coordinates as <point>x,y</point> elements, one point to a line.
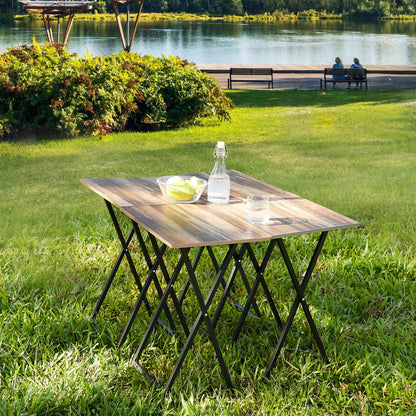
<point>204,224</point>
<point>124,192</point>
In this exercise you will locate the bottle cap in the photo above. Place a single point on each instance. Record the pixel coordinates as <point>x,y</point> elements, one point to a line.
<point>220,149</point>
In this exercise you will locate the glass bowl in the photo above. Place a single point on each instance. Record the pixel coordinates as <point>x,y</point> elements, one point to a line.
<point>182,189</point>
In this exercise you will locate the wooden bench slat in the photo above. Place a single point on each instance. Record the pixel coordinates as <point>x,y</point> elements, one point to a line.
<point>357,75</point>
<point>240,71</point>
<point>248,73</point>
<point>262,71</point>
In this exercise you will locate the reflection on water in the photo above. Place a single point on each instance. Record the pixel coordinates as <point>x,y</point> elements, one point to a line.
<point>240,43</point>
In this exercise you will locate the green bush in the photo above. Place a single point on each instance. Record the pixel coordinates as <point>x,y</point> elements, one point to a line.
<point>46,87</point>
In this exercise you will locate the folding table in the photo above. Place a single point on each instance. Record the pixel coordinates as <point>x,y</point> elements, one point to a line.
<point>200,226</point>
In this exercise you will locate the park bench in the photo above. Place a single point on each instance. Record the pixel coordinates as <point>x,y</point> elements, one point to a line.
<point>250,75</point>
<point>356,75</point>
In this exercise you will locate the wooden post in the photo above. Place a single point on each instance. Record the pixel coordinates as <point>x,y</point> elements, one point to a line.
<point>68,29</point>
<point>58,9</point>
<point>135,26</point>
<point>48,29</point>
<point>120,27</point>
<point>58,30</point>
<point>127,46</point>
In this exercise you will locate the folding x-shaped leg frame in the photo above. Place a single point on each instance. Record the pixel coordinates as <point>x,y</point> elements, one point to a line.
<point>153,266</point>
<point>234,257</point>
<point>300,288</point>
<point>125,242</point>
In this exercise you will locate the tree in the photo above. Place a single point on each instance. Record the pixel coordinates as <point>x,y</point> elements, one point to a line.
<point>8,6</point>
<point>230,7</point>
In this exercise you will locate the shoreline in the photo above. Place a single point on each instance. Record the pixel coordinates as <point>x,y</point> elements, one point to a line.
<point>307,77</point>
<point>305,68</point>
<point>274,17</point>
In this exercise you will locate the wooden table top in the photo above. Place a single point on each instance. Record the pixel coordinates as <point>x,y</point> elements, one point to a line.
<point>204,224</point>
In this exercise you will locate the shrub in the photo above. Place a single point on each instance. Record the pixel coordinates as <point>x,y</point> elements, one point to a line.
<point>26,74</point>
<point>45,86</point>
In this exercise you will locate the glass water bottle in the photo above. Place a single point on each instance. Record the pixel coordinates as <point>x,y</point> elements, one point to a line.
<point>219,180</point>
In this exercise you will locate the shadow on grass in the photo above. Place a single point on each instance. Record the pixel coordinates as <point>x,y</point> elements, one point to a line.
<point>302,98</point>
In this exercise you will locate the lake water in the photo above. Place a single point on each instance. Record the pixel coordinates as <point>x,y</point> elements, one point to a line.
<point>285,43</point>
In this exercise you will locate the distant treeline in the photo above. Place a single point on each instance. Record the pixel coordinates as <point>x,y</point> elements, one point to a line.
<point>239,7</point>
<point>358,8</point>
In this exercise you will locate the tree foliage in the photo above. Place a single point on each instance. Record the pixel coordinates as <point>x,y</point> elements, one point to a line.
<point>239,7</point>
<point>378,8</point>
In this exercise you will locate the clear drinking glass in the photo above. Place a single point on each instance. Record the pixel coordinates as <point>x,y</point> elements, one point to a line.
<point>257,209</point>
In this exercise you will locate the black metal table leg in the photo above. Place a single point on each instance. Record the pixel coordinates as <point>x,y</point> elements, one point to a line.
<point>266,290</point>
<point>259,278</point>
<point>111,277</point>
<point>165,273</point>
<point>300,299</point>
<point>187,283</point>
<point>124,252</point>
<point>236,269</point>
<point>151,277</point>
<point>162,304</point>
<point>238,256</point>
<point>203,316</point>
<point>154,266</point>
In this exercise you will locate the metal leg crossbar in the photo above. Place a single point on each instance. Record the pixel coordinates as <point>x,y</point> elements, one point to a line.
<point>299,300</point>
<point>124,252</point>
<point>236,269</point>
<point>233,256</point>
<point>184,260</point>
<point>203,316</point>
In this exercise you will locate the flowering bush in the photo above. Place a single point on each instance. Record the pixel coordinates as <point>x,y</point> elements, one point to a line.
<point>45,86</point>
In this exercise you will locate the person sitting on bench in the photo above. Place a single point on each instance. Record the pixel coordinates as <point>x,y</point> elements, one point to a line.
<point>338,65</point>
<point>355,65</point>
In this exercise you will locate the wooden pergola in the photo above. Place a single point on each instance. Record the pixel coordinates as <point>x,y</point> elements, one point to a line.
<point>57,9</point>
<point>62,8</point>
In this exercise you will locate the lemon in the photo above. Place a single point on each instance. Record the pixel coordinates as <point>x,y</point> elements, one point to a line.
<point>178,189</point>
<point>194,182</point>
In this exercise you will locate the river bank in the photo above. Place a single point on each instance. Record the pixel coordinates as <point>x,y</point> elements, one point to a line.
<point>265,17</point>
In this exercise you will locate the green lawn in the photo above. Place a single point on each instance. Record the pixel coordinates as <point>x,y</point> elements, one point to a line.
<point>352,151</point>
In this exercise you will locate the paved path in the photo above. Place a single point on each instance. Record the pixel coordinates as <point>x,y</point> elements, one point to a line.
<point>306,77</point>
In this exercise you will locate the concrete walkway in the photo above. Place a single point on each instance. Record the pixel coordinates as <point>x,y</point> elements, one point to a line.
<point>306,77</point>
